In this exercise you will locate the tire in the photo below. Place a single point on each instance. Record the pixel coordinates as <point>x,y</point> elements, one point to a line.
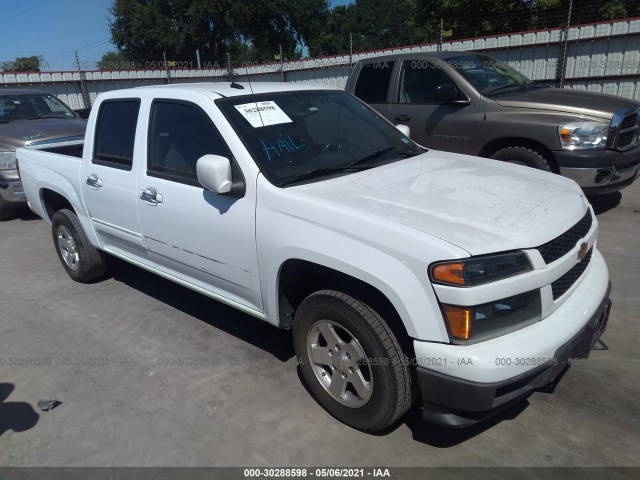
<point>7,209</point>
<point>522,156</point>
<point>81,260</point>
<point>373,386</point>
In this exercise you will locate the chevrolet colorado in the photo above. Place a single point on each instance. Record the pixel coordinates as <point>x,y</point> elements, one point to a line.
<point>403,273</point>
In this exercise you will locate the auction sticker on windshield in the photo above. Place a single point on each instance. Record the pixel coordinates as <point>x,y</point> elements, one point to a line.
<point>263,114</point>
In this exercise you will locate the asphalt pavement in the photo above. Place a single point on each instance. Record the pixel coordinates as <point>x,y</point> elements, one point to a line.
<point>144,372</point>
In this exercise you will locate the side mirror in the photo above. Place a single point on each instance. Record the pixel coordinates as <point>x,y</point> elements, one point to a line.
<point>214,173</point>
<point>446,93</point>
<point>404,129</point>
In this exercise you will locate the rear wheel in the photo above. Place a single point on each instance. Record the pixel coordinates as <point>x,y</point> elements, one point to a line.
<point>352,361</point>
<point>81,260</point>
<point>522,156</point>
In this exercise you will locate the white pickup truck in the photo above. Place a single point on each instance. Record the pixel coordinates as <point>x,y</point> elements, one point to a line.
<point>404,274</point>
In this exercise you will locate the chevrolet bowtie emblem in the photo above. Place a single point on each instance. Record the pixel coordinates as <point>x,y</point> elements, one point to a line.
<point>583,251</point>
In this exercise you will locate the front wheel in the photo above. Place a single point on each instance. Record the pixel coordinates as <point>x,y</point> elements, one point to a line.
<point>522,156</point>
<point>81,260</point>
<point>351,361</point>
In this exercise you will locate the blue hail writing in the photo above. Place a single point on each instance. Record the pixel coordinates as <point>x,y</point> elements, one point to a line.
<point>279,147</point>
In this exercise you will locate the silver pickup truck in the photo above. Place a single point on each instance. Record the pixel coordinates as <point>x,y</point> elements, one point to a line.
<point>468,102</point>
<point>35,119</point>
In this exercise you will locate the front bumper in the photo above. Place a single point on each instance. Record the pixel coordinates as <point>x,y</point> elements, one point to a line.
<point>463,384</point>
<point>600,171</point>
<point>455,402</point>
<point>12,191</point>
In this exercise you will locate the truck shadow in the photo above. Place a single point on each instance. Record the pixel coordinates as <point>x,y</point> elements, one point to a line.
<point>605,202</point>
<point>245,327</point>
<point>16,416</point>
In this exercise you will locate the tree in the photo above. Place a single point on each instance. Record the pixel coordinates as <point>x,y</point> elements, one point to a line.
<point>116,61</point>
<point>144,30</point>
<point>371,24</point>
<point>24,64</point>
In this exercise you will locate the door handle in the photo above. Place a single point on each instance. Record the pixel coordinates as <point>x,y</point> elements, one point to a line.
<point>402,118</point>
<point>151,196</point>
<point>94,181</point>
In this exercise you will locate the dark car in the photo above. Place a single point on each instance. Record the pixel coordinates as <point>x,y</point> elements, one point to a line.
<point>29,118</point>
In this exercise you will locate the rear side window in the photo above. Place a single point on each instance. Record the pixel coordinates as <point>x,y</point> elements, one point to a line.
<point>180,134</point>
<point>115,134</point>
<point>373,82</point>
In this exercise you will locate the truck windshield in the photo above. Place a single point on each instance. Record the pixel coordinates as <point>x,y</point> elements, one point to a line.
<point>32,106</point>
<point>487,74</point>
<point>298,136</point>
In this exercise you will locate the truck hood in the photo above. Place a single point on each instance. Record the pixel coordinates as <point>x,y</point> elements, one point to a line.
<point>21,133</point>
<point>479,205</point>
<point>564,100</point>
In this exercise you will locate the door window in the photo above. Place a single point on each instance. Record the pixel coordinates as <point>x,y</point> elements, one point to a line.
<point>418,82</point>
<point>373,82</point>
<point>115,134</point>
<point>180,134</point>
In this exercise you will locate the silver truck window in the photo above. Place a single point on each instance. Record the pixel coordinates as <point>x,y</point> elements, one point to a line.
<point>418,82</point>
<point>373,82</point>
<point>179,135</point>
<point>487,74</point>
<point>115,133</point>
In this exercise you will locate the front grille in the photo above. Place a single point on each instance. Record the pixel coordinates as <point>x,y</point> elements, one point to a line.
<point>628,130</point>
<point>560,246</point>
<point>560,286</point>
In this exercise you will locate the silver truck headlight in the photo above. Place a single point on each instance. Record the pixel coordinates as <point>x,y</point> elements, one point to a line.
<point>474,271</point>
<point>583,135</point>
<point>7,160</point>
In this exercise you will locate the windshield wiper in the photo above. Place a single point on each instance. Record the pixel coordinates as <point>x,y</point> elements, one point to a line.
<point>48,115</point>
<point>319,172</point>
<point>379,153</point>
<point>351,167</point>
<point>5,121</point>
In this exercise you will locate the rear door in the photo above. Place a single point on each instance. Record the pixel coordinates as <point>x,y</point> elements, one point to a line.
<point>448,126</point>
<point>205,239</point>
<point>373,84</point>
<point>109,182</point>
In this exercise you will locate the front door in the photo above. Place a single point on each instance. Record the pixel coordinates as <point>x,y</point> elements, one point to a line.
<point>208,240</point>
<point>434,124</point>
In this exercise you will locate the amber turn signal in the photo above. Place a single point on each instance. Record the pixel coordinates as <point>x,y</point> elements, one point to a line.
<point>565,135</point>
<point>449,273</point>
<point>459,319</point>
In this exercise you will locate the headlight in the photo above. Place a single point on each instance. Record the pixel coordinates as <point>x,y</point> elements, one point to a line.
<point>480,322</point>
<point>7,160</point>
<point>479,270</point>
<point>583,135</point>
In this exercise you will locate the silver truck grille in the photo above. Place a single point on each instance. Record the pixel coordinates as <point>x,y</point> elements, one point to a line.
<point>625,129</point>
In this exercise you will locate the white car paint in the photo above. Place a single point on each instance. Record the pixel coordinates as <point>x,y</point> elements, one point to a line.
<point>384,226</point>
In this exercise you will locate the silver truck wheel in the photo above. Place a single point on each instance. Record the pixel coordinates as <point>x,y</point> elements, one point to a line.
<point>522,156</point>
<point>351,361</point>
<point>81,260</point>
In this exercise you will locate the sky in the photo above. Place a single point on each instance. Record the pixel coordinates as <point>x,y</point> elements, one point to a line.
<point>56,29</point>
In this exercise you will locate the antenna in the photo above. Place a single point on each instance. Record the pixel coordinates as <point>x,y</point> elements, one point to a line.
<point>246,69</point>
<point>231,74</point>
